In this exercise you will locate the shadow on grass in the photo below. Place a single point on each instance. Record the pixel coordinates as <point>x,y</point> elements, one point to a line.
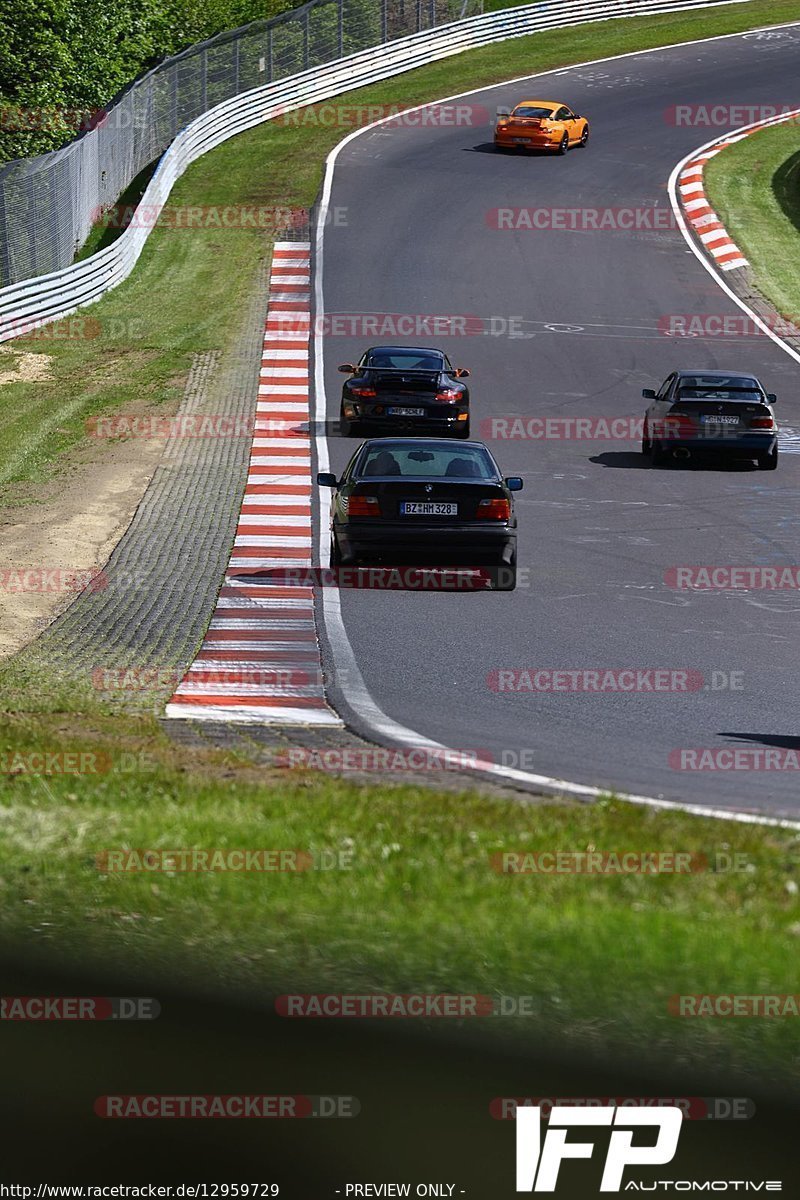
<point>786,187</point>
<point>117,219</point>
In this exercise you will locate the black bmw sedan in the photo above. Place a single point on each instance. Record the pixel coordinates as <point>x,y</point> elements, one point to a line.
<point>404,389</point>
<point>424,500</point>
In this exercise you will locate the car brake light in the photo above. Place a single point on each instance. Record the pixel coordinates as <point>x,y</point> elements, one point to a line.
<point>363,506</point>
<point>448,395</point>
<point>762,423</point>
<point>363,391</point>
<point>494,510</point>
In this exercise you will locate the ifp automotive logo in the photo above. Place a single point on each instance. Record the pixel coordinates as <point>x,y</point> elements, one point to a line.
<point>538,1164</point>
<point>539,1160</point>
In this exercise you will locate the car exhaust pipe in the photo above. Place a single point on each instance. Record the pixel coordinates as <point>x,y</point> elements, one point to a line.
<point>681,453</point>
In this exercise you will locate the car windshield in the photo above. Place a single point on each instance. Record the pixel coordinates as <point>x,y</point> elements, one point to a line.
<point>409,460</point>
<point>406,360</point>
<point>720,388</point>
<point>530,110</point>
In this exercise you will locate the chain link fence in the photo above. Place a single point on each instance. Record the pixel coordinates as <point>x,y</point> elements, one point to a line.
<point>49,204</point>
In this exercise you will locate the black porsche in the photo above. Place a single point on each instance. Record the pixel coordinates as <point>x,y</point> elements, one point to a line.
<point>424,501</point>
<point>396,389</point>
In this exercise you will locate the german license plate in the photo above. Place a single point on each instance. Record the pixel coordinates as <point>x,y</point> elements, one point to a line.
<point>522,141</point>
<point>428,508</point>
<point>719,419</point>
<point>405,412</point>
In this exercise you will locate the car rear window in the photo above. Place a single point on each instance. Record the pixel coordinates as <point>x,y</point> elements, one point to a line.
<point>408,461</point>
<point>745,395</point>
<point>528,110</point>
<point>405,361</point>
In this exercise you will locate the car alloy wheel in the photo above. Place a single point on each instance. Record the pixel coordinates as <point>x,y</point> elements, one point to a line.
<point>564,147</point>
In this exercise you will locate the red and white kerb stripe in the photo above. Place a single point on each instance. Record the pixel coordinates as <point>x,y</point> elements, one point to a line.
<point>260,659</point>
<point>706,224</point>
<point>701,216</point>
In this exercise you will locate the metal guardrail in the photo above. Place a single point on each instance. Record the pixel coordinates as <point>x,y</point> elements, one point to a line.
<point>44,298</point>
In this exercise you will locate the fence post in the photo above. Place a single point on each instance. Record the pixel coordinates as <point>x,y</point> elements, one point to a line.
<point>204,81</point>
<point>432,13</point>
<point>384,20</point>
<point>419,16</point>
<point>269,55</point>
<point>340,22</point>
<point>5,258</point>
<point>305,39</point>
<point>236,66</point>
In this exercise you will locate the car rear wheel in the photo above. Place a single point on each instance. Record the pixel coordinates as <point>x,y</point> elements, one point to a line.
<point>768,462</point>
<point>584,136</point>
<point>658,455</point>
<point>645,442</point>
<point>335,556</point>
<point>564,145</point>
<point>504,576</point>
<point>347,428</point>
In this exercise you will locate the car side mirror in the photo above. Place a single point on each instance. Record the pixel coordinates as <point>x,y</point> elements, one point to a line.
<point>514,483</point>
<point>772,398</point>
<point>347,369</point>
<point>461,372</point>
<point>648,394</point>
<point>327,479</point>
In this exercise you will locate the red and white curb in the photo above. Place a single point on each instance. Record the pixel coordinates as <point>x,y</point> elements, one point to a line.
<point>708,228</point>
<point>260,660</point>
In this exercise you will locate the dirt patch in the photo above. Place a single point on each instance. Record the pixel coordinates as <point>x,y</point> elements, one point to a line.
<point>70,526</point>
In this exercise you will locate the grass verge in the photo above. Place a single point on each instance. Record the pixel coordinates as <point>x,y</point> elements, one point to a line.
<point>755,187</point>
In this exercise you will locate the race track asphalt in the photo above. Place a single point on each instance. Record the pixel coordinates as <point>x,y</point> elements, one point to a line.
<point>598,527</point>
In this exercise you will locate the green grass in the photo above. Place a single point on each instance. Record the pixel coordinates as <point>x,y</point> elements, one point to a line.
<point>755,187</point>
<point>189,290</point>
<point>418,909</point>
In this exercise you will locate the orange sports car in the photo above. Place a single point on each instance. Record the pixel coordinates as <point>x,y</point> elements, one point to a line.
<point>541,125</point>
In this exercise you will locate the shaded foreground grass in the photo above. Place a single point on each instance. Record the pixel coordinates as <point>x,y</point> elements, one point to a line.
<point>416,905</point>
